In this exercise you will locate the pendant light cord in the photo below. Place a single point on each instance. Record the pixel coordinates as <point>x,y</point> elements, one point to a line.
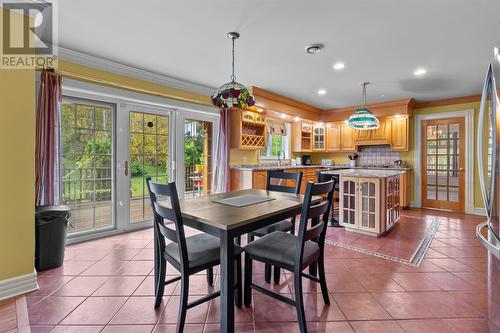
<point>233,77</point>
<point>364,93</point>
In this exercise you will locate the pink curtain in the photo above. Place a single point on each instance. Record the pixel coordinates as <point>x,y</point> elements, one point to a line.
<point>220,181</point>
<point>47,140</point>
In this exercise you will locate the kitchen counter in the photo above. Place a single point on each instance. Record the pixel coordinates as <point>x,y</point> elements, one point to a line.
<point>314,166</point>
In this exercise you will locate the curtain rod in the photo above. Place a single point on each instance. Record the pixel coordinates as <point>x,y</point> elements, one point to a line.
<point>80,77</point>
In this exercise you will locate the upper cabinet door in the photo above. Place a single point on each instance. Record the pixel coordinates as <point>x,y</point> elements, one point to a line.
<point>384,131</point>
<point>319,137</point>
<point>399,133</point>
<point>347,138</point>
<point>333,137</point>
<point>363,134</point>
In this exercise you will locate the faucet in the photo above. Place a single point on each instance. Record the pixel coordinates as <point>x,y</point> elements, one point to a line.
<point>281,151</point>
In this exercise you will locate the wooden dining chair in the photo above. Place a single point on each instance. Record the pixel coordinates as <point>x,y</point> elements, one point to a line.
<point>285,225</point>
<point>295,253</point>
<point>189,255</point>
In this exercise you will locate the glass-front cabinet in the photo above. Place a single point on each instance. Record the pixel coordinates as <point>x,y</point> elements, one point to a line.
<point>319,137</point>
<point>369,205</point>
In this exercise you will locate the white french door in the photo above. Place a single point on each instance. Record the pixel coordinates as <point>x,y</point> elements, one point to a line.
<point>146,152</point>
<point>196,136</point>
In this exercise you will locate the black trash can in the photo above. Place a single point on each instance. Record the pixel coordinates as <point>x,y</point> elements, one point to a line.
<point>51,224</point>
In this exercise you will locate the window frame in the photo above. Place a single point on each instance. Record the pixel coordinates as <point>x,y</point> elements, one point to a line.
<point>286,144</point>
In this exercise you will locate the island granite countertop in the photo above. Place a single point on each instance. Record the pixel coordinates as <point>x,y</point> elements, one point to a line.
<point>367,173</point>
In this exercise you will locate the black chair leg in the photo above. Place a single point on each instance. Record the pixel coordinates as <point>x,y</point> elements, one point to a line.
<point>239,287</point>
<point>267,273</point>
<point>160,272</point>
<point>248,281</point>
<point>277,272</point>
<point>322,280</point>
<point>210,276</point>
<point>299,302</point>
<point>183,302</point>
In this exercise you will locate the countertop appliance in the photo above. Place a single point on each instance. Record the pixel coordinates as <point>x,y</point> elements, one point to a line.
<point>488,148</point>
<point>306,159</point>
<point>325,162</point>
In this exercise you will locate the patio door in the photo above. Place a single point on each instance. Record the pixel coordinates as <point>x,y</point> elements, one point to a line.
<point>149,150</point>
<point>443,176</point>
<point>195,153</point>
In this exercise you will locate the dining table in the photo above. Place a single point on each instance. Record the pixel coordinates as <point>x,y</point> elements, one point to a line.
<point>228,222</point>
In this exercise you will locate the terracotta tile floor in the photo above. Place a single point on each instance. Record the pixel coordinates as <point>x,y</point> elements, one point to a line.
<point>106,286</point>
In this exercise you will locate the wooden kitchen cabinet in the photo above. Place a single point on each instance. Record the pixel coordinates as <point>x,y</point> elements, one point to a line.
<point>379,136</point>
<point>399,133</point>
<point>347,142</point>
<point>333,137</point>
<point>247,130</point>
<point>259,179</point>
<point>319,137</point>
<point>405,184</point>
<point>302,137</point>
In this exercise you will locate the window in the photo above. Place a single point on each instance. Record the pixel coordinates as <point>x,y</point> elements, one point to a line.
<point>275,143</point>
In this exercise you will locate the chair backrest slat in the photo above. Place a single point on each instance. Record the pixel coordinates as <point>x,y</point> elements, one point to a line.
<point>172,213</point>
<point>317,213</point>
<point>281,175</point>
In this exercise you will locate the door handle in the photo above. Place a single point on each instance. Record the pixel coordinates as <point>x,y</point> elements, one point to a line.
<point>126,168</point>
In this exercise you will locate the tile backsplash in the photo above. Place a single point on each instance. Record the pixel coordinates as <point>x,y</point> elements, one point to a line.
<point>377,155</point>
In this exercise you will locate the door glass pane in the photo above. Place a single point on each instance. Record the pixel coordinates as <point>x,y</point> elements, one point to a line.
<point>86,164</point>
<point>442,131</point>
<point>148,158</point>
<point>431,132</point>
<point>431,147</point>
<point>442,193</point>
<point>197,157</point>
<point>431,192</point>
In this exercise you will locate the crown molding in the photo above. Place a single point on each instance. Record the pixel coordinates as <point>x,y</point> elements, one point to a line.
<point>259,92</point>
<point>130,71</point>
<point>409,103</point>
<point>448,101</point>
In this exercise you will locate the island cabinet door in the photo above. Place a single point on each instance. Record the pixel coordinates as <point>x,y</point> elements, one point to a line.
<point>369,204</point>
<point>348,202</point>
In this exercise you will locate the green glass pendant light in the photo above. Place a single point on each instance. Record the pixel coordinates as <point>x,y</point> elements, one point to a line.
<point>363,118</point>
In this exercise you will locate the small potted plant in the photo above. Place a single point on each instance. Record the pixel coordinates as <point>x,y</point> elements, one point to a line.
<point>353,157</point>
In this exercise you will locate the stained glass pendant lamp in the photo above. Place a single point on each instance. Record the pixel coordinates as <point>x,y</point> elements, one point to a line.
<point>233,94</point>
<point>363,118</point>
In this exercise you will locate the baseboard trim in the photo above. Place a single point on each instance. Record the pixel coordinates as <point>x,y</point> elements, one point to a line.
<point>479,211</point>
<point>18,285</point>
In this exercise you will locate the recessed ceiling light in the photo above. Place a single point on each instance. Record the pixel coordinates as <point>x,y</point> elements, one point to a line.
<point>283,116</point>
<point>297,119</point>
<point>338,66</point>
<point>322,92</point>
<point>420,72</point>
<point>382,96</point>
<point>314,48</point>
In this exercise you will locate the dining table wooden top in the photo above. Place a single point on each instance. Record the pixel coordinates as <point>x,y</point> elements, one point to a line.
<point>224,217</point>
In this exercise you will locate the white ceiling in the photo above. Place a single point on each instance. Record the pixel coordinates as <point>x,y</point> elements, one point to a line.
<point>381,41</point>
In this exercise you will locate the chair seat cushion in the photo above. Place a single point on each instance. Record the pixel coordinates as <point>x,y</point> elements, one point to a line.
<point>280,247</point>
<point>202,249</point>
<point>284,225</point>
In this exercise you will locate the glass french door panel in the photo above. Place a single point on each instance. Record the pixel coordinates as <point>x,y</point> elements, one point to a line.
<point>198,157</point>
<point>148,158</point>
<point>86,164</point>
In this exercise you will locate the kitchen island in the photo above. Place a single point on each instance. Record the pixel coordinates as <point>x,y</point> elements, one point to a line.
<point>369,199</point>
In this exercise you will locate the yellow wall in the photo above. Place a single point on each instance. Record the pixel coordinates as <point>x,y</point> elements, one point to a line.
<point>88,74</point>
<point>17,172</point>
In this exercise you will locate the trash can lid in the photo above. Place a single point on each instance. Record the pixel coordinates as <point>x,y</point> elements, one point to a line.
<point>52,209</point>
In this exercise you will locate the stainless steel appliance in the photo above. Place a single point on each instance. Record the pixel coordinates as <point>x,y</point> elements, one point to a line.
<point>306,159</point>
<point>488,147</point>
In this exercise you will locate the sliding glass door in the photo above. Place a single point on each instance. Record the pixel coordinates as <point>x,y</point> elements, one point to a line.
<point>86,168</point>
